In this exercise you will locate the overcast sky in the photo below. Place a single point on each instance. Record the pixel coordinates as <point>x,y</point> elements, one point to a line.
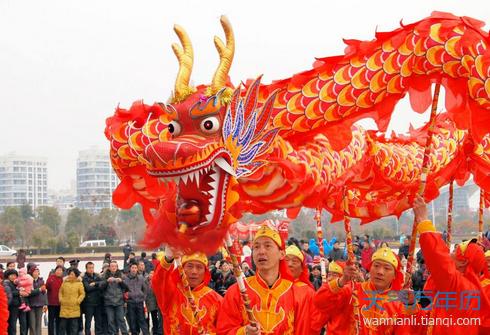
<point>65,64</point>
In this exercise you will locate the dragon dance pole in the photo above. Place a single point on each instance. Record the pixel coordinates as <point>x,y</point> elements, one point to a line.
<point>233,250</point>
<point>188,294</point>
<point>450,215</point>
<point>480,215</point>
<point>423,180</point>
<point>351,261</point>
<point>319,232</point>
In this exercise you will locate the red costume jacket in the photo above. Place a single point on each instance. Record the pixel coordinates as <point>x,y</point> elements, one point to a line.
<point>176,310</point>
<point>378,310</point>
<point>448,286</point>
<point>281,309</point>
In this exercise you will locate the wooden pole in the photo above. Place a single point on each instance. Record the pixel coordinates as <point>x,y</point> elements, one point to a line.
<point>423,180</point>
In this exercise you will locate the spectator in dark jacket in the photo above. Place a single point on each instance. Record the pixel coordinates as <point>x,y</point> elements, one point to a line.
<point>148,263</point>
<point>37,301</point>
<point>403,250</point>
<point>13,299</point>
<point>93,304</point>
<point>126,251</point>
<point>137,286</point>
<point>222,277</point>
<point>153,310</point>
<point>53,284</point>
<point>336,253</point>
<point>114,288</point>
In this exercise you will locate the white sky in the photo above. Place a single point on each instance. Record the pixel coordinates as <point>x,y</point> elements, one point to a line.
<point>66,64</point>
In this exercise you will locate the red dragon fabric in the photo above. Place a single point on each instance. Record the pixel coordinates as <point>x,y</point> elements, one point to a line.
<point>213,152</point>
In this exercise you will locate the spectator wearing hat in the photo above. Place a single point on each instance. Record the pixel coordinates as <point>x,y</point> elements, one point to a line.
<point>13,299</point>
<point>53,285</point>
<point>37,300</point>
<point>74,263</point>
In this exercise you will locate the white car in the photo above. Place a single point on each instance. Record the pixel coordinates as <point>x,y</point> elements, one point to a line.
<point>6,251</point>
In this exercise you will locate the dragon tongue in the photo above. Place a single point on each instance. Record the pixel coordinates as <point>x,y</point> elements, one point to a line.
<point>189,212</point>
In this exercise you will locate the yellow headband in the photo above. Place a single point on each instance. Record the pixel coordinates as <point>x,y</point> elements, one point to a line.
<point>197,257</point>
<point>464,245</point>
<point>293,250</point>
<point>385,255</point>
<point>266,231</point>
<point>334,267</point>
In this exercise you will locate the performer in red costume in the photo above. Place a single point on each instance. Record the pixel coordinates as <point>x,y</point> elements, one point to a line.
<point>176,307</point>
<point>4,310</point>
<point>455,280</point>
<point>377,299</point>
<point>276,303</point>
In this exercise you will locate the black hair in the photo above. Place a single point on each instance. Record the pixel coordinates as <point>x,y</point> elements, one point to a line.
<point>143,254</point>
<point>75,271</point>
<point>61,257</point>
<point>8,263</point>
<point>88,263</point>
<point>154,255</point>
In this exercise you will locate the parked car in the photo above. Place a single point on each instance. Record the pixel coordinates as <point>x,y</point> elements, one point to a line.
<point>6,251</point>
<point>94,243</point>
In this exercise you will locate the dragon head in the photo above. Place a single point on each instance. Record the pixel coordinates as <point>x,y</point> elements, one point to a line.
<point>214,135</point>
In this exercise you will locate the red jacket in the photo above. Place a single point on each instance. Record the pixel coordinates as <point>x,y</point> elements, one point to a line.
<point>446,279</point>
<point>53,285</point>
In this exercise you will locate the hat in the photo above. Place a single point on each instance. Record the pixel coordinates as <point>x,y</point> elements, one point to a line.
<point>197,257</point>
<point>293,250</point>
<point>336,267</point>
<point>487,253</point>
<point>74,261</point>
<point>386,255</point>
<point>9,272</point>
<point>266,231</point>
<point>30,266</point>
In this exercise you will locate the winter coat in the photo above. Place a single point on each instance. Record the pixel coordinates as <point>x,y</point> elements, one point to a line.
<point>93,293</point>
<point>38,298</point>
<point>113,291</point>
<point>13,297</point>
<point>336,254</point>
<point>71,296</point>
<point>151,300</point>
<point>137,288</point>
<point>53,285</point>
<point>221,284</point>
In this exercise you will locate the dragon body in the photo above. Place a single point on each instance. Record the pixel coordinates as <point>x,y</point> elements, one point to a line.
<point>197,163</point>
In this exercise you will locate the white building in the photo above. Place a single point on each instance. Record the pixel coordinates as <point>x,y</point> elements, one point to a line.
<point>23,180</point>
<point>95,180</point>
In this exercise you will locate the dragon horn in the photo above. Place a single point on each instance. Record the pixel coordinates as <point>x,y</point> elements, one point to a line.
<point>185,55</point>
<point>226,53</point>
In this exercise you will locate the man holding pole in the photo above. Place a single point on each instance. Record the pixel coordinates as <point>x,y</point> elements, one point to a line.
<point>188,305</point>
<point>276,305</point>
<point>454,281</point>
<point>377,300</point>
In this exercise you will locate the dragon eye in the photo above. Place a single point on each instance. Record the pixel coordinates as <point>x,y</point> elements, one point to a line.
<point>210,125</point>
<point>174,128</point>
